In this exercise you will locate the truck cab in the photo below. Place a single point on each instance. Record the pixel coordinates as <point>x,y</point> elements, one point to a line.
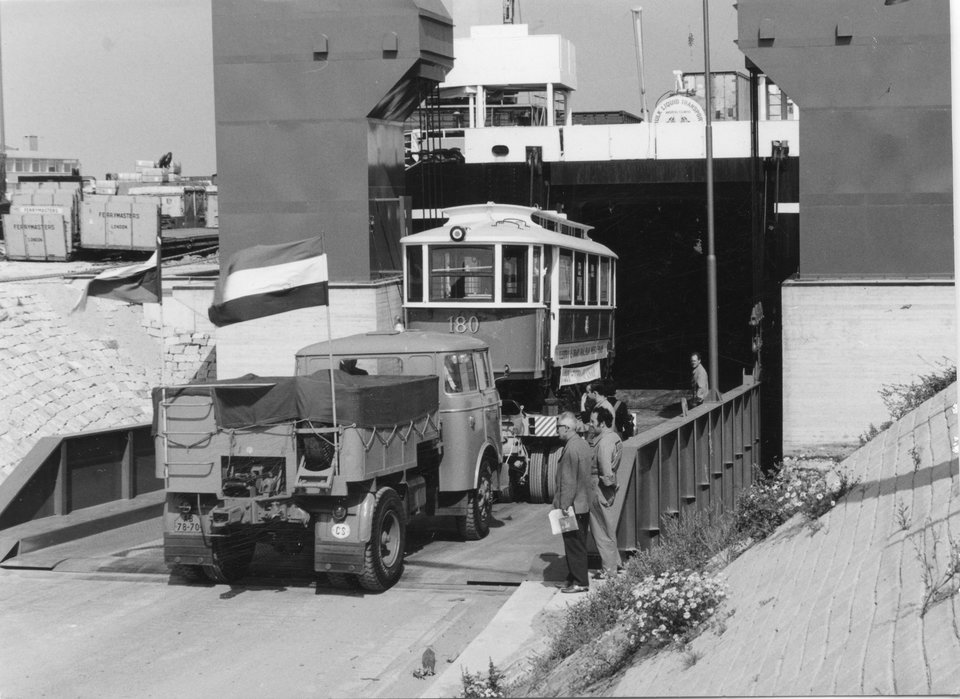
<point>469,402</point>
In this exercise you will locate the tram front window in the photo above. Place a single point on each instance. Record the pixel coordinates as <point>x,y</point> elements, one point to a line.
<point>461,274</point>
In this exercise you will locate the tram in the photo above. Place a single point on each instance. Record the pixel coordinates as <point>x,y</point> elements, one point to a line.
<point>541,293</point>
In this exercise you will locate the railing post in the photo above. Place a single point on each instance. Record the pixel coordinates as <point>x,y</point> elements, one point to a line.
<point>127,477</point>
<point>61,504</point>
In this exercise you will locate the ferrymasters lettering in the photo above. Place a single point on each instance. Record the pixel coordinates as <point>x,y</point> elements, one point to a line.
<point>34,226</point>
<point>118,214</point>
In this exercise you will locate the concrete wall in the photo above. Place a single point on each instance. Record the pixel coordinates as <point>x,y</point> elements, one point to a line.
<point>843,341</point>
<point>873,84</point>
<point>266,346</point>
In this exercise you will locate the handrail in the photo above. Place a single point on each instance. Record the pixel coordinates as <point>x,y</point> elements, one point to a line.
<point>51,480</point>
<point>697,462</point>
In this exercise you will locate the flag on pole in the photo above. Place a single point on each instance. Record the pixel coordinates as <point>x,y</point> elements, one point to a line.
<point>138,283</point>
<point>267,279</point>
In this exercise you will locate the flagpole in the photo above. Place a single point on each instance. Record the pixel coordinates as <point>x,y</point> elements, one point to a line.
<point>163,354</point>
<point>333,388</point>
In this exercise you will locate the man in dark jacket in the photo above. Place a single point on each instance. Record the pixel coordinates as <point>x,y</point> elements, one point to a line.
<point>575,489</point>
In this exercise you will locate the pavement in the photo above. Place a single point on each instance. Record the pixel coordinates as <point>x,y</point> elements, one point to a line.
<point>829,609</point>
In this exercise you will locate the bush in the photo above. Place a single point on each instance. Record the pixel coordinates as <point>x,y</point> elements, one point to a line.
<point>901,398</point>
<point>476,686</point>
<point>668,606</point>
<point>759,511</point>
<point>689,543</point>
<point>794,489</point>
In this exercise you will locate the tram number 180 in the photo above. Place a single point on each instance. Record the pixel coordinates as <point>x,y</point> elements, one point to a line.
<point>459,324</point>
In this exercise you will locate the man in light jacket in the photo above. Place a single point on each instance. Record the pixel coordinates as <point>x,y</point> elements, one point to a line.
<point>609,449</point>
<point>575,489</point>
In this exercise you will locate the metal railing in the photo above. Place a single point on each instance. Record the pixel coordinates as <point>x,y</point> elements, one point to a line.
<point>700,461</point>
<point>65,473</point>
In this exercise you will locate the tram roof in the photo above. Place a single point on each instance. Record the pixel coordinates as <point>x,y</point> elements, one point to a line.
<point>393,341</point>
<point>508,223</point>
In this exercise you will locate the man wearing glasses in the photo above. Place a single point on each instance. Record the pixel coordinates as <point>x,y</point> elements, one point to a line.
<point>574,489</point>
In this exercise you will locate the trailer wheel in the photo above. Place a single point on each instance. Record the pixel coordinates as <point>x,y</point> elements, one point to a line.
<point>475,524</point>
<point>542,475</point>
<point>232,556</point>
<point>383,558</point>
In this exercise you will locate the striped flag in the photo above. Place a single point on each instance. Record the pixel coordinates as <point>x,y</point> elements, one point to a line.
<point>267,279</point>
<point>138,283</point>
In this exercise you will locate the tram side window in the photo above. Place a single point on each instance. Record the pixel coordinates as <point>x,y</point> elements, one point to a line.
<point>592,263</point>
<point>461,274</point>
<point>579,281</point>
<point>459,373</point>
<point>536,275</point>
<point>565,272</point>
<point>604,281</point>
<point>514,273</point>
<point>414,273</point>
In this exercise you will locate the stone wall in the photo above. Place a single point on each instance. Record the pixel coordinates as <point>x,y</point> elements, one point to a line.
<point>63,373</point>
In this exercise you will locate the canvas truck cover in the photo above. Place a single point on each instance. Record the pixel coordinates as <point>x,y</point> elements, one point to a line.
<point>369,401</point>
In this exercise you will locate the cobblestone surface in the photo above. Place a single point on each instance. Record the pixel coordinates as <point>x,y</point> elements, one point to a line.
<point>835,609</point>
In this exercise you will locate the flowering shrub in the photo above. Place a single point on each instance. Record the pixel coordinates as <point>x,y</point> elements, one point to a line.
<point>476,686</point>
<point>667,606</point>
<point>772,500</point>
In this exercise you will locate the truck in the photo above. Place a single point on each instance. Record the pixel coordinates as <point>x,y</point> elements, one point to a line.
<point>372,431</point>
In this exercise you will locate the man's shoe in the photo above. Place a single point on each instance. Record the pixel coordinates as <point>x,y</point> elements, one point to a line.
<point>570,589</point>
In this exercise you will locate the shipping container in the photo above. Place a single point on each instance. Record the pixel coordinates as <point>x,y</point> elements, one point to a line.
<point>39,233</point>
<point>119,222</point>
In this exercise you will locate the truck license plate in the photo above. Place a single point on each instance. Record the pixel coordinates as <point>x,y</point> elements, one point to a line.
<point>187,526</point>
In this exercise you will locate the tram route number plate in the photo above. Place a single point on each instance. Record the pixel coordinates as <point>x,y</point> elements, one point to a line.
<point>191,525</point>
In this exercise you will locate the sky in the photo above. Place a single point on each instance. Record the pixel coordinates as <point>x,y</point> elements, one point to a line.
<point>111,82</point>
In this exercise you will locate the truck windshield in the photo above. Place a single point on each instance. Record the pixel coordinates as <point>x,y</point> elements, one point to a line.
<point>460,374</point>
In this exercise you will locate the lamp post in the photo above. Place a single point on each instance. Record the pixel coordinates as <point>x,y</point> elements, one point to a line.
<point>712,334</point>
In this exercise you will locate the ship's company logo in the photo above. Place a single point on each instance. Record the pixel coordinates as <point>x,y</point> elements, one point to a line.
<point>678,109</point>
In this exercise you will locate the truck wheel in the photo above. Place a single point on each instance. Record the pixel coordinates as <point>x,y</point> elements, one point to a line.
<point>232,556</point>
<point>476,523</point>
<point>383,558</point>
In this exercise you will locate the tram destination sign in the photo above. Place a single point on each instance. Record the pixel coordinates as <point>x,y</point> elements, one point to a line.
<point>576,352</point>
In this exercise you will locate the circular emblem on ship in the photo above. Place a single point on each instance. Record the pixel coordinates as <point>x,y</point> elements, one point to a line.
<point>678,109</point>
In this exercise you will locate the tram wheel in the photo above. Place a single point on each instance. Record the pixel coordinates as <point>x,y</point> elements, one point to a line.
<point>383,558</point>
<point>232,556</point>
<point>475,524</point>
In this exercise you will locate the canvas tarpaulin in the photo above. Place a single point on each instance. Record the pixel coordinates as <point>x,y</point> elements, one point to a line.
<point>370,401</point>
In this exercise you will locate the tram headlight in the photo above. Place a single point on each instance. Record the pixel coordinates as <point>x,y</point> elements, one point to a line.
<point>458,233</point>
<point>339,513</point>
